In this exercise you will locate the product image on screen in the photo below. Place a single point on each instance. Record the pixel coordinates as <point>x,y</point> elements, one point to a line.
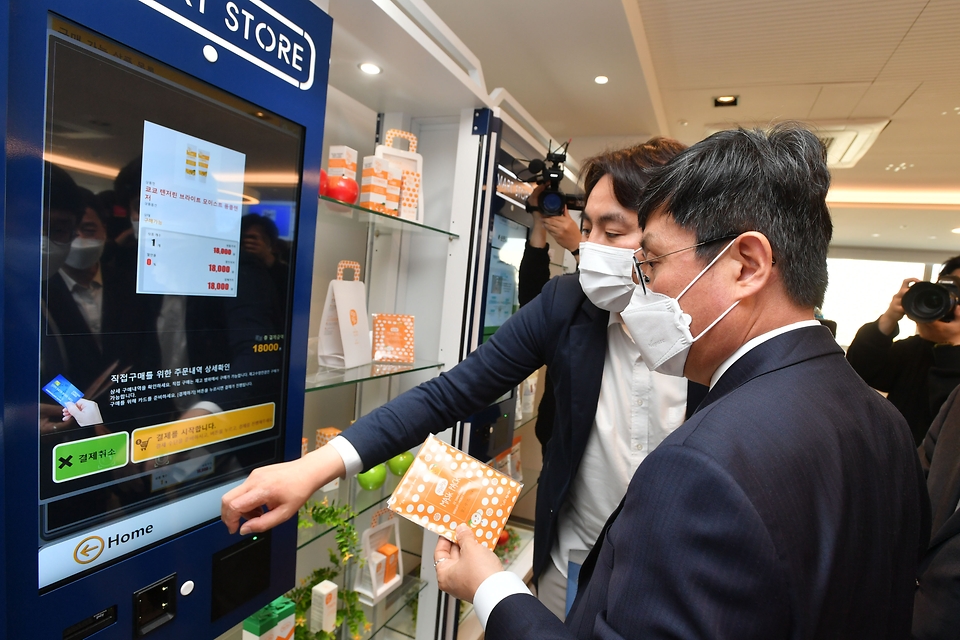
<point>165,299</point>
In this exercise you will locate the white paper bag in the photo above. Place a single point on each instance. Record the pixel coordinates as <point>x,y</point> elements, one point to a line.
<point>344,327</point>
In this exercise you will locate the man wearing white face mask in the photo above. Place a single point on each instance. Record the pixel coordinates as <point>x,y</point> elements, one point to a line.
<point>92,309</point>
<point>792,503</point>
<point>610,410</point>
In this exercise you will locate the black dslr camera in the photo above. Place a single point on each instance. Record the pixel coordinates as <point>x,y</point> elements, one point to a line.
<point>549,171</point>
<point>929,301</point>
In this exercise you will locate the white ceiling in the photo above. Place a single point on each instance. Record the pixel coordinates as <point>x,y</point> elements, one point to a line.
<point>815,60</point>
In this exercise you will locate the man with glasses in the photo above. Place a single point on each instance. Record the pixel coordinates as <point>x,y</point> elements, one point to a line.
<point>792,503</point>
<point>611,411</point>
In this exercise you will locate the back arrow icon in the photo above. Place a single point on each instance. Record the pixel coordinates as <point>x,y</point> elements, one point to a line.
<point>88,550</point>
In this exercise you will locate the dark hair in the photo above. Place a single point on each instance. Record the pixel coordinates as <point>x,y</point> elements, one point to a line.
<point>774,182</point>
<point>90,200</point>
<point>268,226</point>
<point>950,266</point>
<point>127,183</point>
<point>630,168</point>
<point>60,192</point>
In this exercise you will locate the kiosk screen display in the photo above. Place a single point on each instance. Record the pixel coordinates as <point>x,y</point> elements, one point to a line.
<point>506,251</point>
<point>165,299</point>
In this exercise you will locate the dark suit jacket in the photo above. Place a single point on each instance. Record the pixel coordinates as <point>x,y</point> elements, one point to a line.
<point>127,335</point>
<point>791,505</point>
<point>936,613</point>
<point>560,328</point>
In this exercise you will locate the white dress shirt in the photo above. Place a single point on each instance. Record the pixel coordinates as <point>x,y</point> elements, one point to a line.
<point>89,301</point>
<point>636,410</point>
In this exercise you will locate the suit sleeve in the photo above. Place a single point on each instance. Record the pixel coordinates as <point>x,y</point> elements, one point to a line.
<point>929,444</point>
<point>516,350</point>
<point>688,557</point>
<point>944,375</point>
<point>534,273</point>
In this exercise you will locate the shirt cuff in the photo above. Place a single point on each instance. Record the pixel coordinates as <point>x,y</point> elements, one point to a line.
<point>351,459</point>
<point>494,589</point>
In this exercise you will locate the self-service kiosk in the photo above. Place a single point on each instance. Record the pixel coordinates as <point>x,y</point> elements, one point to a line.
<point>153,305</point>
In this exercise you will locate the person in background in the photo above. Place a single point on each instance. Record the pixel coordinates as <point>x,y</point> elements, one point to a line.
<point>611,410</point>
<point>535,264</point>
<point>936,613</point>
<point>792,503</point>
<point>916,373</point>
<point>260,239</point>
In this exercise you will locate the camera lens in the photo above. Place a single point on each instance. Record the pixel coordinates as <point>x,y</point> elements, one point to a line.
<point>551,203</point>
<point>928,302</point>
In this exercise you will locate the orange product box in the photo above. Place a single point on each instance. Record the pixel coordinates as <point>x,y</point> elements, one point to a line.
<point>445,487</point>
<point>389,552</point>
<point>373,183</point>
<point>393,338</point>
<point>325,435</point>
<point>394,184</point>
<point>342,162</point>
<point>410,195</point>
<point>303,447</point>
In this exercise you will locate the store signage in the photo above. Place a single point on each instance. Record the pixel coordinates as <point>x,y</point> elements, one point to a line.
<point>250,29</point>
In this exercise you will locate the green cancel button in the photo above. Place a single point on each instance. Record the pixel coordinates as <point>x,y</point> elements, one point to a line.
<point>72,460</point>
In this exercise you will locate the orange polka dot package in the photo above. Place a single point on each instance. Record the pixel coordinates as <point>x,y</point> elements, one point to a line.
<point>445,487</point>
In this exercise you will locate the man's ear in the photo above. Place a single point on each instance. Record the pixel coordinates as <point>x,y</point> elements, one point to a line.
<point>753,253</point>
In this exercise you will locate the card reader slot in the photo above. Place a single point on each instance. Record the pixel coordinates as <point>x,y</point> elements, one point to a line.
<point>88,627</point>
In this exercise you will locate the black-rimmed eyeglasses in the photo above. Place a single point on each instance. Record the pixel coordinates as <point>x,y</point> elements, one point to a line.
<point>644,279</point>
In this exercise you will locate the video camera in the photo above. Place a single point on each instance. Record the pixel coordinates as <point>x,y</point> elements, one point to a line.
<point>928,301</point>
<point>549,171</point>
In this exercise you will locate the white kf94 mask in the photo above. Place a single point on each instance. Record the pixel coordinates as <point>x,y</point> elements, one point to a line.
<point>661,329</point>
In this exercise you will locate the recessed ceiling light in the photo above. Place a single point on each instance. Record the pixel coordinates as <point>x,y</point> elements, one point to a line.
<point>957,230</point>
<point>601,79</point>
<point>726,101</point>
<point>875,235</point>
<point>370,68</point>
<point>903,166</point>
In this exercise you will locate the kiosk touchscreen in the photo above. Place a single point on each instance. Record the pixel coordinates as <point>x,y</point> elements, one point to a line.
<point>170,293</point>
<point>164,331</point>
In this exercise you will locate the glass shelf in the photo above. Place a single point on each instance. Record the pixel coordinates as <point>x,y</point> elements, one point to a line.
<point>326,378</point>
<point>384,223</point>
<point>393,613</point>
<point>363,503</point>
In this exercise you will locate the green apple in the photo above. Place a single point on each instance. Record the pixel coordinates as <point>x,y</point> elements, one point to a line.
<point>400,463</point>
<point>373,478</point>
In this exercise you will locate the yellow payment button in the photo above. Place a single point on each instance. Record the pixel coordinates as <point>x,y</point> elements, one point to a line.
<point>182,435</point>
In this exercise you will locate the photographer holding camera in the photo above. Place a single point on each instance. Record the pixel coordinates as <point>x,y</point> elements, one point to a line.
<point>919,372</point>
<point>535,264</point>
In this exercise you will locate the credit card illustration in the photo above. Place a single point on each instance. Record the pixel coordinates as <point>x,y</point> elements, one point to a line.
<point>62,390</point>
